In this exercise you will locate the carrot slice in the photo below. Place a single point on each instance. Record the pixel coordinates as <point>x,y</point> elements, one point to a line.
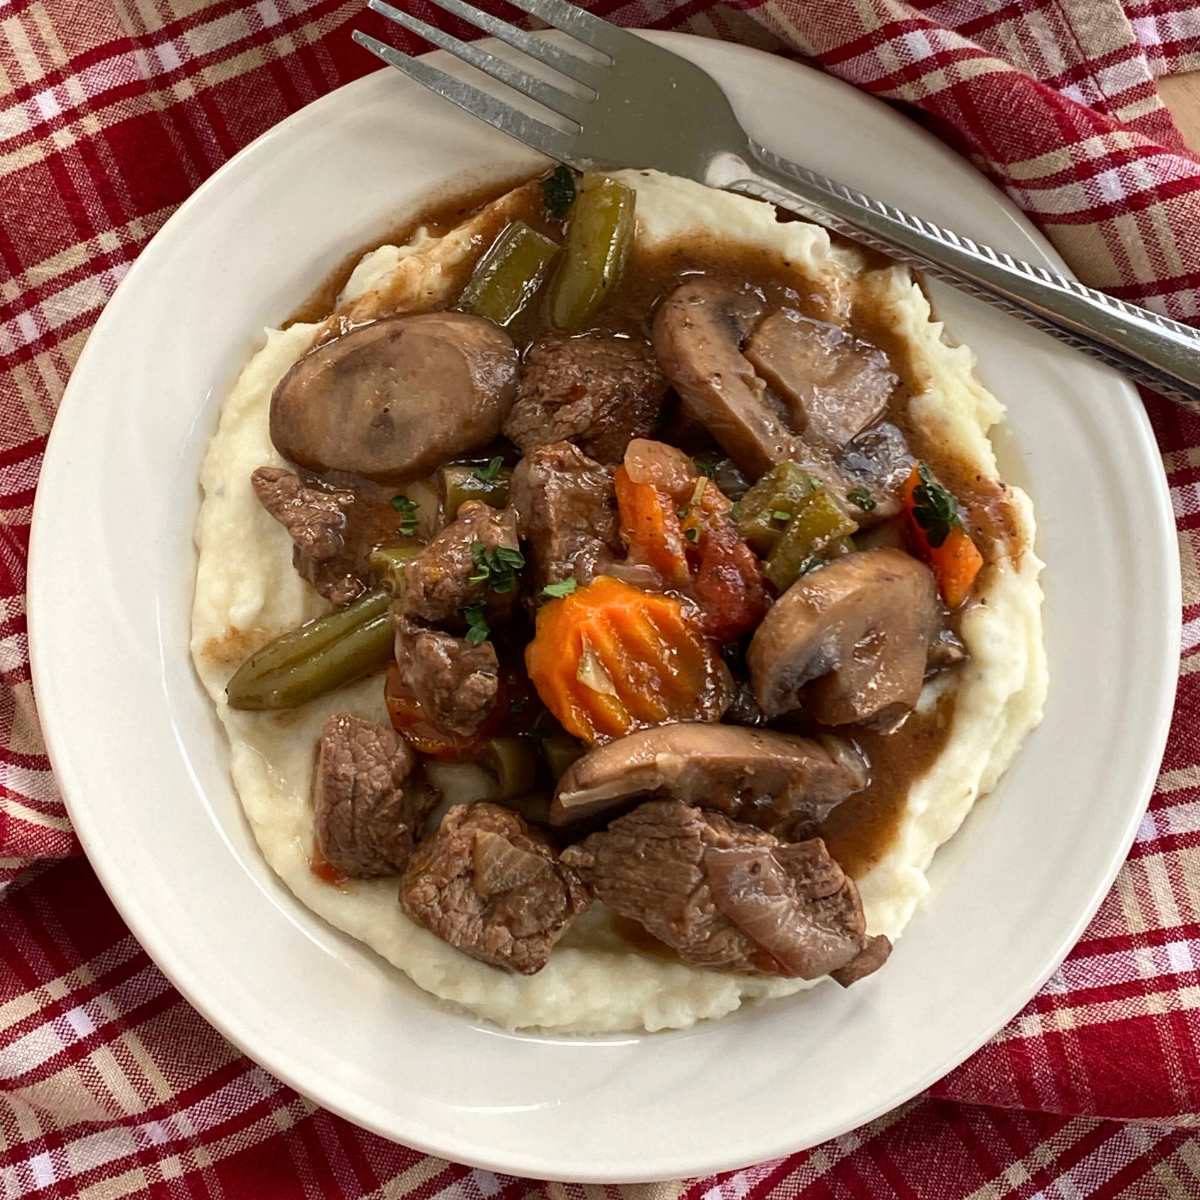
<point>611,658</point>
<point>948,548</point>
<point>651,528</point>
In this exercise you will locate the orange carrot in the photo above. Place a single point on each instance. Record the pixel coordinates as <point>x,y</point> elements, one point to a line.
<point>651,529</point>
<point>938,534</point>
<point>610,658</point>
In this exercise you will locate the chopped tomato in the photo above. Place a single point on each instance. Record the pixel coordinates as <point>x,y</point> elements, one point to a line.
<point>409,718</point>
<point>611,658</point>
<point>679,522</point>
<point>323,869</point>
<point>728,585</point>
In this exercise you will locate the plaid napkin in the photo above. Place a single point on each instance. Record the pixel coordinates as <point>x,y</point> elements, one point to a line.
<point>110,1085</point>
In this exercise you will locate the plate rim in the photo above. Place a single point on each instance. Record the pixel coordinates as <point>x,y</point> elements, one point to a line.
<point>73,791</point>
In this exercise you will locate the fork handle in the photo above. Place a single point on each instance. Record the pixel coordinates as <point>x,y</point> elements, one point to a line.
<point>1154,350</point>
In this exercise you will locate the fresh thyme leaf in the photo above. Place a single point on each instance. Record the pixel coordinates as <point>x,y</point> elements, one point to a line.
<point>934,508</point>
<point>861,498</point>
<point>811,563</point>
<point>781,514</point>
<point>692,535</point>
<point>496,566</point>
<point>564,587</point>
<point>477,626</point>
<point>558,192</point>
<point>408,514</point>
<point>489,472</point>
<point>509,557</point>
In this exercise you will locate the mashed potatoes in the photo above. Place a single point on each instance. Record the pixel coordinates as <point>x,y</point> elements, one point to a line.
<point>247,591</point>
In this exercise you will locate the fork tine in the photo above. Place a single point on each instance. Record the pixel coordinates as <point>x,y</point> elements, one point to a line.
<point>532,132</point>
<point>545,94</point>
<point>581,25</point>
<point>550,55</point>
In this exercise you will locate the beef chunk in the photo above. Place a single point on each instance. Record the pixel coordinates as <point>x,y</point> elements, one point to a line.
<point>454,684</point>
<point>369,797</point>
<point>723,894</point>
<point>868,960</point>
<point>597,390</point>
<point>445,577</point>
<point>567,512</point>
<point>493,888</point>
<point>877,462</point>
<point>334,528</point>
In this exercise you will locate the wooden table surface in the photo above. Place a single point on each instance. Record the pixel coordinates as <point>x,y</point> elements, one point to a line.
<point>1181,93</point>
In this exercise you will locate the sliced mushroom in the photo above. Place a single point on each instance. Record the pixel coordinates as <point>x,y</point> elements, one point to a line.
<point>848,642</point>
<point>833,383</point>
<point>772,780</point>
<point>698,334</point>
<point>394,399</point>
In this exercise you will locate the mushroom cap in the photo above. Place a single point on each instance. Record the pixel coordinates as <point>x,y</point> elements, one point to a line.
<point>764,778</point>
<point>847,642</point>
<point>698,334</point>
<point>833,383</point>
<point>393,399</point>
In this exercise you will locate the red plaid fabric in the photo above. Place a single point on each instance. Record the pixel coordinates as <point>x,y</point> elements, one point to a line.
<point>110,1085</point>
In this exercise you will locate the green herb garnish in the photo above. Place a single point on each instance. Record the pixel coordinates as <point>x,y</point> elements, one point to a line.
<point>861,498</point>
<point>706,465</point>
<point>781,514</point>
<point>497,566</point>
<point>682,513</point>
<point>692,535</point>
<point>934,508</point>
<point>558,192</point>
<point>477,626</point>
<point>489,473</point>
<point>564,587</point>
<point>811,563</point>
<point>408,514</point>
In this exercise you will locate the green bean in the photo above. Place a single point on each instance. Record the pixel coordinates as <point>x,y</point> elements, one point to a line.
<point>598,242</point>
<point>513,762</point>
<point>509,274</point>
<point>460,482</point>
<point>319,656</point>
<point>764,511</point>
<point>560,751</point>
<point>819,526</point>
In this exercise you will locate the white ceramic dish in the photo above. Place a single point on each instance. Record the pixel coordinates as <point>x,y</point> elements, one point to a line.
<point>142,761</point>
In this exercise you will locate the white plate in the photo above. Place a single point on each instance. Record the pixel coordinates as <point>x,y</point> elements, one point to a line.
<point>142,761</point>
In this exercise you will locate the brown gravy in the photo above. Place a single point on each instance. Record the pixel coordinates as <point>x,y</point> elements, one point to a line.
<point>861,829</point>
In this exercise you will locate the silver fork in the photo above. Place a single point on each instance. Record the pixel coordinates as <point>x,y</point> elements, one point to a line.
<point>638,105</point>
